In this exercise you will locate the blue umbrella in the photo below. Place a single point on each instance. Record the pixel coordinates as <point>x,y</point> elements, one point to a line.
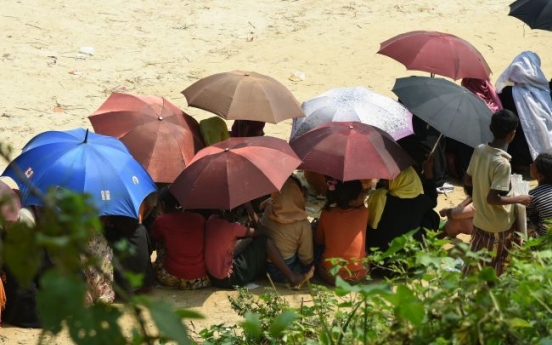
<point>83,162</point>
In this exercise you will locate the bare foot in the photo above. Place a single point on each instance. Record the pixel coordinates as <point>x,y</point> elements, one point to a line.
<point>299,279</point>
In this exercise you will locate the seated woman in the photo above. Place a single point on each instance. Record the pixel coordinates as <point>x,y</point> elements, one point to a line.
<point>286,223</point>
<point>247,128</point>
<point>459,218</point>
<point>404,205</point>
<point>342,231</point>
<point>180,241</point>
<point>236,255</point>
<point>136,260</point>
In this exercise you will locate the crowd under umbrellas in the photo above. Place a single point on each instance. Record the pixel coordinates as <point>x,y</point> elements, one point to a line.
<point>347,133</point>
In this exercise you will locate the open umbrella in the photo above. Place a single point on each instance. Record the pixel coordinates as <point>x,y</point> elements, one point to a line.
<point>437,53</point>
<point>535,13</point>
<point>451,109</point>
<point>10,203</point>
<point>239,95</point>
<point>234,171</point>
<point>158,134</point>
<point>82,162</point>
<point>350,151</point>
<point>355,104</point>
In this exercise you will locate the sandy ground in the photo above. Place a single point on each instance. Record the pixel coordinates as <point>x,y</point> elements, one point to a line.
<point>161,47</point>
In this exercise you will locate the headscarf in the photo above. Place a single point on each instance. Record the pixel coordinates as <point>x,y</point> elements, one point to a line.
<point>288,205</point>
<point>531,93</point>
<point>406,185</point>
<point>213,130</point>
<point>251,128</point>
<point>484,90</point>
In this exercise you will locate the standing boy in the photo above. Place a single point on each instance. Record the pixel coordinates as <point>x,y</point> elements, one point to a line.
<point>489,174</point>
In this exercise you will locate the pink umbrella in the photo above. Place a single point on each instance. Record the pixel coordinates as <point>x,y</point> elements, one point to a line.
<point>437,53</point>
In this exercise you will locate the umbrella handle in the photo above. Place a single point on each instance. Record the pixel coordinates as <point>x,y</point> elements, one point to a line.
<point>434,147</point>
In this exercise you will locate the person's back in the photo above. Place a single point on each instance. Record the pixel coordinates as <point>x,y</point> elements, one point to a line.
<point>183,237</point>
<point>179,238</point>
<point>213,130</point>
<point>286,222</point>
<point>539,211</point>
<point>342,231</point>
<point>401,208</point>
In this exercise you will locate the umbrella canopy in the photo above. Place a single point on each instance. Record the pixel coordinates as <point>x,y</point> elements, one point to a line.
<point>10,203</point>
<point>158,134</point>
<point>436,52</point>
<point>535,13</point>
<point>452,109</point>
<point>239,95</point>
<point>355,104</point>
<point>82,162</point>
<point>235,171</point>
<point>350,151</point>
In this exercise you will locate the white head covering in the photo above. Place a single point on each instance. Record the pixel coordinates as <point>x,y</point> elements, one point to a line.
<point>531,94</point>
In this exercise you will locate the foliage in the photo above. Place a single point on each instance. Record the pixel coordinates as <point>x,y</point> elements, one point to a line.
<point>425,300</point>
<point>68,223</point>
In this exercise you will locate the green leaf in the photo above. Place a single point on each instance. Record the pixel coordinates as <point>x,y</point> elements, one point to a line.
<point>59,298</point>
<point>546,341</point>
<point>189,314</point>
<point>488,274</point>
<point>252,326</point>
<point>97,325</point>
<point>518,323</point>
<point>169,323</point>
<point>22,254</point>
<point>281,322</point>
<point>408,306</point>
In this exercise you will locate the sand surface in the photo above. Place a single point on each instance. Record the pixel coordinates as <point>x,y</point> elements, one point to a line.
<point>161,47</point>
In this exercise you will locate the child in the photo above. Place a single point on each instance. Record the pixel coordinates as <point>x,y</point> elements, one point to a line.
<point>342,231</point>
<point>489,174</point>
<point>459,218</point>
<point>540,208</point>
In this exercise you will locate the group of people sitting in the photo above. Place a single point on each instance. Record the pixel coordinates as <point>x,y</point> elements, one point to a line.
<point>227,248</point>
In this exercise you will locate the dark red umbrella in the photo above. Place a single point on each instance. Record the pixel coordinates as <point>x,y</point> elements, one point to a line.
<point>437,53</point>
<point>10,203</point>
<point>240,95</point>
<point>235,171</point>
<point>350,151</point>
<point>157,133</point>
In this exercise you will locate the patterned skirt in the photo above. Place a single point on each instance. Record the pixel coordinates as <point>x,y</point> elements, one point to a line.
<point>498,244</point>
<point>169,280</point>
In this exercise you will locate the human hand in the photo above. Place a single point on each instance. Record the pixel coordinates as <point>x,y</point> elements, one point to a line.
<point>443,212</point>
<point>524,199</point>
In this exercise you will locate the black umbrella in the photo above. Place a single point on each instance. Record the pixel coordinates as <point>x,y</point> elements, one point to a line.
<point>452,109</point>
<point>535,13</point>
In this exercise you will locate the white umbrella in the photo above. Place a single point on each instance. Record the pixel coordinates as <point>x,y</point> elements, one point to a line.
<point>355,104</point>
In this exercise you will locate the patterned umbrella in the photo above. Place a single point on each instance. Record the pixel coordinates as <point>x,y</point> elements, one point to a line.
<point>355,104</point>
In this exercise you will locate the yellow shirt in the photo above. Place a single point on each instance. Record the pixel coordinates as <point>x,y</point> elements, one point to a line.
<point>490,169</point>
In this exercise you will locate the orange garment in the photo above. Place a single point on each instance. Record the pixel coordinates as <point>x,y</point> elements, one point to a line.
<point>343,232</point>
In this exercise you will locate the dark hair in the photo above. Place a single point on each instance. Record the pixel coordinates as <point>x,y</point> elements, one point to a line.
<point>503,122</point>
<point>343,193</point>
<point>543,163</point>
<point>170,204</point>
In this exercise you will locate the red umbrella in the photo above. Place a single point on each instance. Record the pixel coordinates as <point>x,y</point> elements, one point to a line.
<point>350,151</point>
<point>235,171</point>
<point>239,95</point>
<point>10,203</point>
<point>438,53</point>
<point>157,133</point>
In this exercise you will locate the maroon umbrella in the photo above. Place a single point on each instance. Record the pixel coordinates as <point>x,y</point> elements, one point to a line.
<point>350,151</point>
<point>239,95</point>
<point>234,171</point>
<point>437,53</point>
<point>157,133</point>
<point>10,203</point>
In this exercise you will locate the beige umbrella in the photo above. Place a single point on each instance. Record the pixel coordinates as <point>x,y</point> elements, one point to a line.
<point>239,95</point>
